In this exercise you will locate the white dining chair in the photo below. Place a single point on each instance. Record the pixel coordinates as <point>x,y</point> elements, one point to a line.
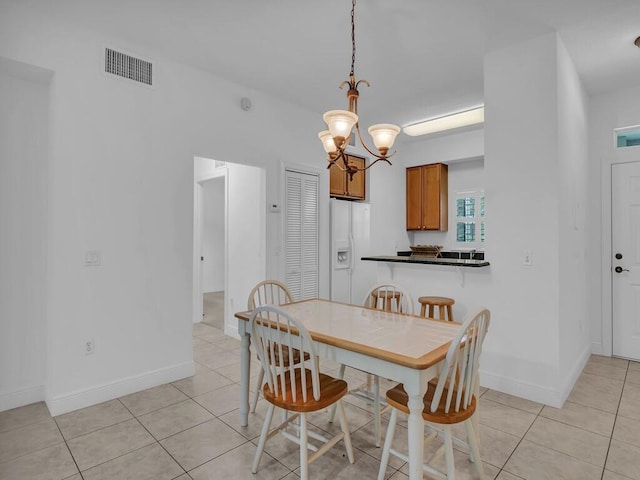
<point>452,400</point>
<point>298,388</point>
<point>268,292</point>
<point>392,298</point>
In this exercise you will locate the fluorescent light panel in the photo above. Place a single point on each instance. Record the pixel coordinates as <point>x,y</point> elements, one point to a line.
<point>456,120</point>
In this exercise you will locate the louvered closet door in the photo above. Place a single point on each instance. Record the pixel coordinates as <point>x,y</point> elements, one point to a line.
<point>301,234</point>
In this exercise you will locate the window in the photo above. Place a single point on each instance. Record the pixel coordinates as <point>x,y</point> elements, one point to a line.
<point>627,137</point>
<point>470,216</point>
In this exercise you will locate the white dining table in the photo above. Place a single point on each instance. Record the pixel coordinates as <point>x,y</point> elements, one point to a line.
<point>404,348</point>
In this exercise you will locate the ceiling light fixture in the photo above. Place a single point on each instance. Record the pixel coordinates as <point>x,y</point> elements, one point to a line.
<point>341,123</point>
<point>448,122</point>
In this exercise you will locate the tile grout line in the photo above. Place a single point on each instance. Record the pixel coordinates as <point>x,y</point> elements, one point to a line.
<point>69,449</point>
<point>154,439</point>
<point>202,423</point>
<point>519,441</point>
<point>615,421</point>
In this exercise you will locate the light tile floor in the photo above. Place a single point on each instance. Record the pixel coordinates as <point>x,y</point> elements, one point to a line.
<point>189,430</point>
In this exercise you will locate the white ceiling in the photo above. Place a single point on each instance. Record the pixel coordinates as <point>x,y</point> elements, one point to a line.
<point>423,58</point>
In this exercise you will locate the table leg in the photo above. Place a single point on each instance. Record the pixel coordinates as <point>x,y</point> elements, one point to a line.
<point>416,433</point>
<point>245,365</point>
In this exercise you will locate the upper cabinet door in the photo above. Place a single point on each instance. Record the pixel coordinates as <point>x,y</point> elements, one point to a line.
<point>337,182</point>
<point>341,186</point>
<point>414,198</point>
<point>427,196</point>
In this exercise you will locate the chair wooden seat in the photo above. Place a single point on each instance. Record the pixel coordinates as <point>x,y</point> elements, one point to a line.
<point>398,398</point>
<point>298,387</point>
<point>331,390</point>
<point>444,304</point>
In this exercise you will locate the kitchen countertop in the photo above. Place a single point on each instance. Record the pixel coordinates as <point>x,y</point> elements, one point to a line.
<point>455,262</point>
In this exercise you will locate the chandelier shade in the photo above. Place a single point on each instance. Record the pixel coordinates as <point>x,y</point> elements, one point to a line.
<point>340,123</point>
<point>327,141</point>
<point>383,134</point>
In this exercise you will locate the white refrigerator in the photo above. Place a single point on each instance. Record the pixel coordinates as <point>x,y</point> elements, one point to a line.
<point>351,278</point>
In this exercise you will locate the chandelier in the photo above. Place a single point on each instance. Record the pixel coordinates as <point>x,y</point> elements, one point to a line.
<point>341,123</point>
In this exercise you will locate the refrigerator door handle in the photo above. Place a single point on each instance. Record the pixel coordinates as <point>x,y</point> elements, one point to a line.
<point>352,252</point>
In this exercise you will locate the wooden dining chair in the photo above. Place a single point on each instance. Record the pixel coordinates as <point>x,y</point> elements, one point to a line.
<point>452,400</point>
<point>269,292</point>
<point>392,298</point>
<point>295,387</point>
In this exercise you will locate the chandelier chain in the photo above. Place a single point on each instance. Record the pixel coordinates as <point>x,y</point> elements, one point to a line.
<point>353,36</point>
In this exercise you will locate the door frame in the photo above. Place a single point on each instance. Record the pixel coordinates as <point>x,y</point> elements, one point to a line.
<point>198,214</point>
<point>621,155</point>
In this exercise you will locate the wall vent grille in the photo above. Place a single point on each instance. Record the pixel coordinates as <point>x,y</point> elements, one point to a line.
<point>127,66</point>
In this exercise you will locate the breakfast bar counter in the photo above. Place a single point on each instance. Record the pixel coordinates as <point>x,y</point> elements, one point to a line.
<point>454,262</point>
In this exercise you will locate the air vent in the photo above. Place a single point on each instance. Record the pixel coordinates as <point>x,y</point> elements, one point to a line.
<point>127,66</point>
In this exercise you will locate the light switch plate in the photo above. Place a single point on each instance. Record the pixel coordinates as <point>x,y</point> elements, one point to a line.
<point>92,258</point>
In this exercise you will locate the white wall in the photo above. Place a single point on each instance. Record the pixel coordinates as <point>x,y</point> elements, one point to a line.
<point>535,180</point>
<point>246,239</point>
<point>606,112</point>
<point>535,125</point>
<point>213,235</point>
<point>444,147</point>
<point>121,181</point>
<point>521,138</point>
<point>24,96</point>
<point>574,223</point>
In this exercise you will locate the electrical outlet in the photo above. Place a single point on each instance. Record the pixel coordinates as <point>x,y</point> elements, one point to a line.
<point>89,347</point>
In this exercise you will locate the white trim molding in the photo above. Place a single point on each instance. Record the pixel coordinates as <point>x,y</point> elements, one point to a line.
<point>101,393</point>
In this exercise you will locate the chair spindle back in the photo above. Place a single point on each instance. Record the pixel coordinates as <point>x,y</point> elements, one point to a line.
<point>269,292</point>
<point>390,297</point>
<point>271,329</point>
<point>460,368</point>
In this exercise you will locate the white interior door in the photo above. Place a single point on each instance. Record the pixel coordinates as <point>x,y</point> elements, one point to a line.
<point>626,259</point>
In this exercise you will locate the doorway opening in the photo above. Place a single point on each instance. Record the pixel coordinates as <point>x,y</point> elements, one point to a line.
<point>229,238</point>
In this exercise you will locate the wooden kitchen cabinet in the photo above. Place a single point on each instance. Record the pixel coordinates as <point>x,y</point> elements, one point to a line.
<point>427,197</point>
<point>340,186</point>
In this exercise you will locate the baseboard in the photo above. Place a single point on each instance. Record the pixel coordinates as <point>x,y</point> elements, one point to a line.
<point>575,373</point>
<point>232,331</point>
<point>102,393</point>
<point>530,391</point>
<point>534,392</point>
<point>21,397</point>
